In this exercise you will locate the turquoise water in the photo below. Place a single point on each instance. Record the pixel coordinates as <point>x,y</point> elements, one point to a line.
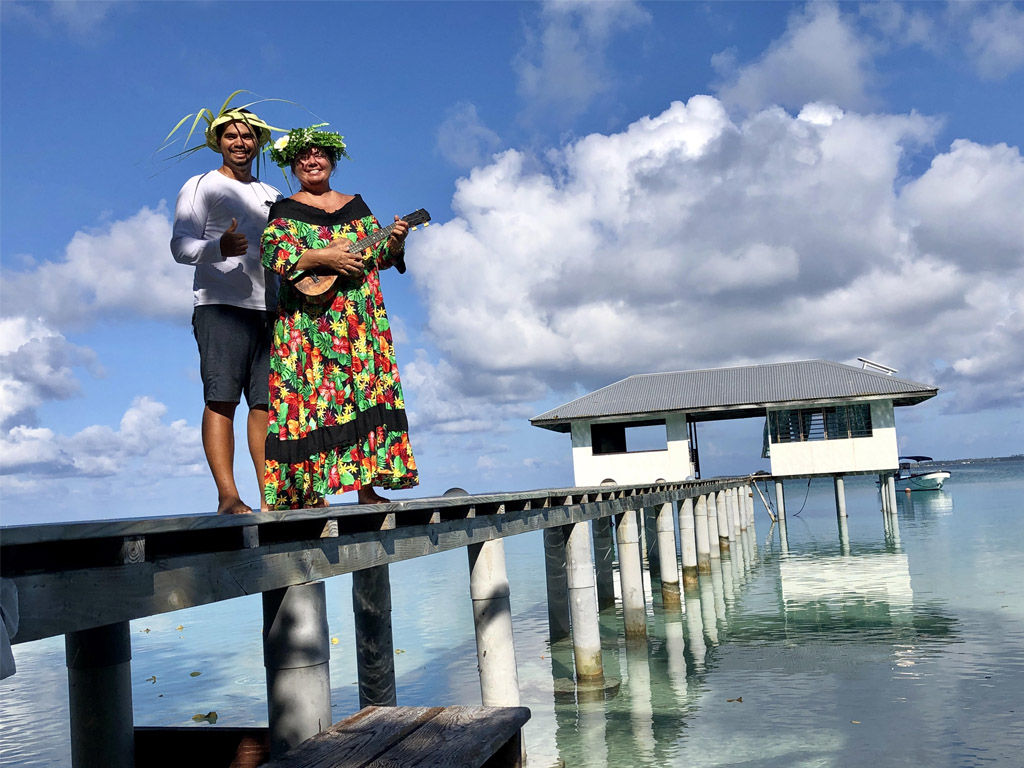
<point>891,647</point>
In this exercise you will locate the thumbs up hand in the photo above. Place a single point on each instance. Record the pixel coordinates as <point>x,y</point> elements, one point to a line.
<point>233,243</point>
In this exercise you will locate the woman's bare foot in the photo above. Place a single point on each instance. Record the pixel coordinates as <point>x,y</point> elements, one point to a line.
<point>369,496</point>
<point>233,506</point>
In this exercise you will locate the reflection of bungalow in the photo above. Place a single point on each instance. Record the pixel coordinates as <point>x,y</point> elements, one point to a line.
<point>821,418</point>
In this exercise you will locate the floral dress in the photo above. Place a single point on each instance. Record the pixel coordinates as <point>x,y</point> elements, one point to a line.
<point>337,414</point>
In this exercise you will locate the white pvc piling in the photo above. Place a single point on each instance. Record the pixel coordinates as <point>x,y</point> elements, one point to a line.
<point>688,543</point>
<point>586,636</point>
<point>668,562</point>
<point>634,606</point>
<point>492,618</point>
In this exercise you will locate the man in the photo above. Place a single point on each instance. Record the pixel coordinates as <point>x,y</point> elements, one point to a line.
<point>218,222</point>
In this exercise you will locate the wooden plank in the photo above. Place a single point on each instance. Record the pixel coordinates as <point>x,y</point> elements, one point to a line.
<point>463,737</point>
<point>357,740</point>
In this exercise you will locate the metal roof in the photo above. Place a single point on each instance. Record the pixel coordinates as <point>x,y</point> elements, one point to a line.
<point>732,393</point>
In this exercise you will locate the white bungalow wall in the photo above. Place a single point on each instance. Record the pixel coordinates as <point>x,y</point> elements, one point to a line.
<point>672,463</point>
<point>859,454</point>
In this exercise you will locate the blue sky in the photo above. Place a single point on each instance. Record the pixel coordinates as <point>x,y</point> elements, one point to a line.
<point>616,188</point>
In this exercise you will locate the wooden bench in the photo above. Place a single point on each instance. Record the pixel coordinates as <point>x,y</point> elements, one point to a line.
<point>416,737</point>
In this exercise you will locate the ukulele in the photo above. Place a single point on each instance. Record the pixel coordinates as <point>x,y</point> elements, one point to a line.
<point>316,285</point>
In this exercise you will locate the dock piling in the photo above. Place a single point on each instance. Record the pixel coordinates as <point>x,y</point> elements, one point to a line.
<point>668,562</point>
<point>557,583</point>
<point>492,618</point>
<point>586,636</point>
<point>296,654</point>
<point>634,604</point>
<point>604,561</point>
<point>375,646</point>
<point>100,696</point>
<point>688,543</point>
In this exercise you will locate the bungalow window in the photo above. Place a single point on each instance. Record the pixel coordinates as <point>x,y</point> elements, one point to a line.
<point>839,422</point>
<point>631,437</point>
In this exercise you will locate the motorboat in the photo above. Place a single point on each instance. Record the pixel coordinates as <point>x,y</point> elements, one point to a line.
<point>912,477</point>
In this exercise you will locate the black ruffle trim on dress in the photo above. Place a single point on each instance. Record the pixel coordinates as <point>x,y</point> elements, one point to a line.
<point>293,209</point>
<point>326,438</point>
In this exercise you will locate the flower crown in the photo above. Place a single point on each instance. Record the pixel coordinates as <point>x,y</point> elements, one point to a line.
<point>287,148</point>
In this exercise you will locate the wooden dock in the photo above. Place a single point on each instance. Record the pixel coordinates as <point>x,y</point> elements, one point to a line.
<point>87,580</point>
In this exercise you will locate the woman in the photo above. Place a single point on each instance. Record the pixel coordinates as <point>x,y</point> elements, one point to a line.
<point>337,414</point>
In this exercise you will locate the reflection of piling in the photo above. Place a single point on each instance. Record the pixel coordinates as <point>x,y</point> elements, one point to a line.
<point>557,583</point>
<point>631,578</point>
<point>641,710</point>
<point>844,535</point>
<point>668,563</point>
<point>707,605</point>
<point>783,536</point>
<point>375,648</point>
<point>100,696</point>
<point>695,627</point>
<point>492,618</point>
<point>688,541</point>
<point>718,590</point>
<point>604,562</point>
<point>296,652</point>
<point>586,637</point>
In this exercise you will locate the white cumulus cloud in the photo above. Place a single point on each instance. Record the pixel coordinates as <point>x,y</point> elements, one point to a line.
<point>119,271</point>
<point>692,240</point>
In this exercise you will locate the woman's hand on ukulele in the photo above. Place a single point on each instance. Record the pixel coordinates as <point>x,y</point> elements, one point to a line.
<point>338,258</point>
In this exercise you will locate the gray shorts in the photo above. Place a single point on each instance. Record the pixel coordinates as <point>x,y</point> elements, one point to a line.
<point>234,353</point>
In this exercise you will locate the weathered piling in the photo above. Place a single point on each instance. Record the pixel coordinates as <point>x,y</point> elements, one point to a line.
<point>296,654</point>
<point>701,536</point>
<point>649,538</point>
<point>714,535</point>
<point>668,562</point>
<point>780,500</point>
<point>738,525</point>
<point>557,583</point>
<point>688,541</point>
<point>891,486</point>
<point>375,646</point>
<point>492,619</point>
<point>631,578</point>
<point>724,523</point>
<point>100,696</point>
<point>586,637</point>
<point>604,562</point>
<point>840,487</point>
<point>749,495</point>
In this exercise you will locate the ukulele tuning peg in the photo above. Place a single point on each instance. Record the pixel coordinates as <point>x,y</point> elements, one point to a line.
<point>426,224</point>
<point>412,229</point>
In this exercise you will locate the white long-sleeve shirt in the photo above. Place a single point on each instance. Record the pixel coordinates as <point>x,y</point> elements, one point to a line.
<point>206,205</point>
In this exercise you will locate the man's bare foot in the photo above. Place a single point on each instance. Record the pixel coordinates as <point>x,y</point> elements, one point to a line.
<point>233,506</point>
<point>369,496</point>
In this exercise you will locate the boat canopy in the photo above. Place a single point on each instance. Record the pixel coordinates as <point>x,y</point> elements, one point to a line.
<point>915,458</point>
